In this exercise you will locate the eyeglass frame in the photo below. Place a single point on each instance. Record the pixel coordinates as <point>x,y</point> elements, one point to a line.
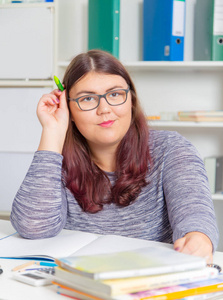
<point>100,96</point>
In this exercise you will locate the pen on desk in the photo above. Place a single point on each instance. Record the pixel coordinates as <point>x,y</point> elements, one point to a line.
<point>46,264</point>
<point>30,263</point>
<point>59,84</point>
<point>23,266</point>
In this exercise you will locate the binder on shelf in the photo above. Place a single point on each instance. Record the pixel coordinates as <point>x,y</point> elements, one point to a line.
<point>208,30</point>
<point>103,25</point>
<point>214,168</point>
<point>163,30</point>
<point>217,40</point>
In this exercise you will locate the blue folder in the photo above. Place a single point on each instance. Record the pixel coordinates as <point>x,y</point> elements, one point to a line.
<point>163,30</point>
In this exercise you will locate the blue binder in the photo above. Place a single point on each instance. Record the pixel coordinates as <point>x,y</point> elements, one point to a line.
<point>163,30</point>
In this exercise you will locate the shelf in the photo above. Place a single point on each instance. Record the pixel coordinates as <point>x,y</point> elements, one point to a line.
<point>186,124</point>
<point>4,215</point>
<point>25,5</point>
<point>217,197</point>
<point>175,65</point>
<point>168,66</point>
<point>26,83</point>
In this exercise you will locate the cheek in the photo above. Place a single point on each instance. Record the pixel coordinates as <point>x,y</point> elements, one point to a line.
<point>82,121</point>
<point>125,111</point>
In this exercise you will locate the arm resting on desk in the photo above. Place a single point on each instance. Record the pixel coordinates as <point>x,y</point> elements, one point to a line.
<point>39,209</point>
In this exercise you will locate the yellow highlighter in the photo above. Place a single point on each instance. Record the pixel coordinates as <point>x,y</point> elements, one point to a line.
<point>59,84</point>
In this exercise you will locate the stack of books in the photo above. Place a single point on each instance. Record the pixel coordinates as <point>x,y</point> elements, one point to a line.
<point>147,273</point>
<point>201,116</point>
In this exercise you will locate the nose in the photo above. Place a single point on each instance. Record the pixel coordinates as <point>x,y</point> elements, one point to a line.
<point>103,107</point>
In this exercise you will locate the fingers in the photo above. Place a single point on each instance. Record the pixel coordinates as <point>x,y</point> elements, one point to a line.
<point>179,244</point>
<point>195,243</point>
<point>56,97</point>
<point>63,100</point>
<point>49,100</point>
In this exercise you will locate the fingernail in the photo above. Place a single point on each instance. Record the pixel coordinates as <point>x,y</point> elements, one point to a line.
<point>177,249</point>
<point>57,100</point>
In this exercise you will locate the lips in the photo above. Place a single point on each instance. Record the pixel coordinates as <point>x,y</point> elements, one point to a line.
<point>107,123</point>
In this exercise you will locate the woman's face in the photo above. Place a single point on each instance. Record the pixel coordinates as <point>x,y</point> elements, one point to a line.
<point>105,125</point>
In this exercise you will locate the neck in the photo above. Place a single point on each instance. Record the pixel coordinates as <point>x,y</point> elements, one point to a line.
<point>104,157</point>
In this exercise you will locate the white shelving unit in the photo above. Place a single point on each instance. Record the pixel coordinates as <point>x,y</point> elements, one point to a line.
<point>25,5</point>
<point>30,82</point>
<point>20,128</point>
<point>26,83</point>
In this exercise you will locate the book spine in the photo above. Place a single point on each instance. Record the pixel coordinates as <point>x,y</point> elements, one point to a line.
<point>186,293</point>
<point>203,30</point>
<point>219,175</point>
<point>210,166</point>
<point>214,168</point>
<point>155,282</point>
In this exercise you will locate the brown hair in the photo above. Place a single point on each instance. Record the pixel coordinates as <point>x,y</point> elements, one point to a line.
<point>88,183</point>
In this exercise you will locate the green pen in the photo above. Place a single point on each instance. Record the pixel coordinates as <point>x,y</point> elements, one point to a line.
<point>59,84</point>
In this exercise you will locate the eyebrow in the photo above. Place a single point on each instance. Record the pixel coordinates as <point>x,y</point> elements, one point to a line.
<point>92,92</point>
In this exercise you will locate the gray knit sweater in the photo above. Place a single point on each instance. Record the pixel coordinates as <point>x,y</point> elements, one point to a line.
<point>176,201</point>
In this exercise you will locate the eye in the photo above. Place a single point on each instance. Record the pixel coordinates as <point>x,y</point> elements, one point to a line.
<point>87,99</point>
<point>114,94</point>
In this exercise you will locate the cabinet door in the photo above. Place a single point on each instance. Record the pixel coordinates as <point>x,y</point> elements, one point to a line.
<point>20,128</point>
<point>26,47</point>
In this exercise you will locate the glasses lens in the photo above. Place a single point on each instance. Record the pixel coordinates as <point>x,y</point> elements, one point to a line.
<point>116,97</point>
<point>88,102</point>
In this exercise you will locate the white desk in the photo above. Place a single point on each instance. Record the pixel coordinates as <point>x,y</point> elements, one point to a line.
<point>11,289</point>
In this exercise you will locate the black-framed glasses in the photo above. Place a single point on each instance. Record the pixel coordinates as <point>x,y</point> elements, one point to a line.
<point>92,101</point>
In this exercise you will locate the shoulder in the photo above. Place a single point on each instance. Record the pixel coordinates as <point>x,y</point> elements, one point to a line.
<point>165,138</point>
<point>163,142</point>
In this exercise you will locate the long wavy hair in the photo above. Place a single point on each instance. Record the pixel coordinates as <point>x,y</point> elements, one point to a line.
<point>88,183</point>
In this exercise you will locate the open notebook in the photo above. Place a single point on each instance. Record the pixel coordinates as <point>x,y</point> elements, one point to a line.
<point>66,243</point>
<point>76,243</point>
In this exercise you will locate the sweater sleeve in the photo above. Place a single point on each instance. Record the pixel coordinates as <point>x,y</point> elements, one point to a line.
<point>39,209</point>
<point>186,190</point>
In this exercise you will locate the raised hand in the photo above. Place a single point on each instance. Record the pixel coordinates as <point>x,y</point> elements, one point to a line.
<point>53,115</point>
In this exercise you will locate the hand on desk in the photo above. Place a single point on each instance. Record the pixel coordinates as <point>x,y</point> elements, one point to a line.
<point>195,243</point>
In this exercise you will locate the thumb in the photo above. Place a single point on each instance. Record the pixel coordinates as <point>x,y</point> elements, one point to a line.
<point>179,244</point>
